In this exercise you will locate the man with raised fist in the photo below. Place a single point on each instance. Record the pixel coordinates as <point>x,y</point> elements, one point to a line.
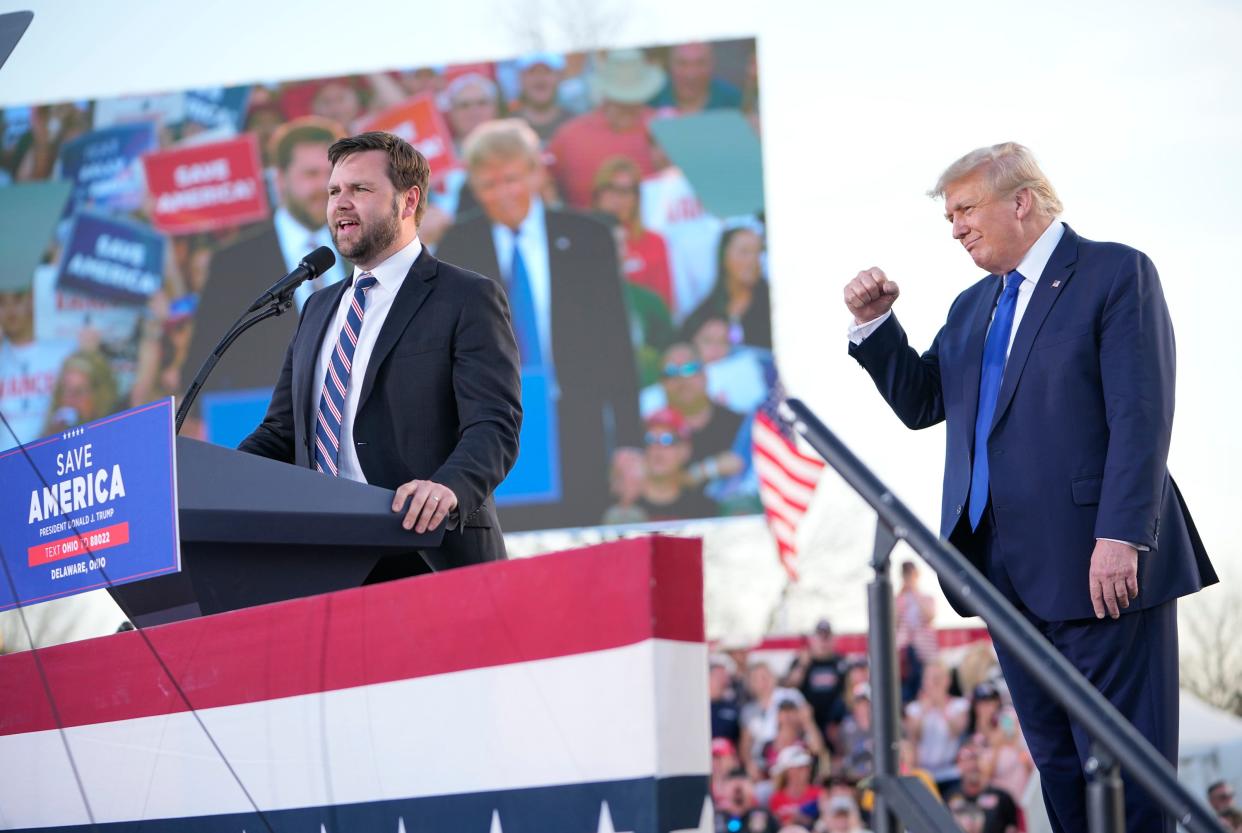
<point>1055,377</point>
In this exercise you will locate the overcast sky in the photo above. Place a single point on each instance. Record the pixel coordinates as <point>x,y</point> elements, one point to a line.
<point>1134,109</point>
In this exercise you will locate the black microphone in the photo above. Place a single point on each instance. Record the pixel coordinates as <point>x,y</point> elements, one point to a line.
<point>312,266</point>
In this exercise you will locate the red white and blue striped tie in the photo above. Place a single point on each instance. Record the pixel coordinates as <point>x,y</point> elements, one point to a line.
<point>336,381</point>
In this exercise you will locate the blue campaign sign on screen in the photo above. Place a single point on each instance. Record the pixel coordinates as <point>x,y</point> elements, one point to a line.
<point>94,504</point>
<point>216,107</point>
<point>105,166</point>
<point>115,260</point>
<point>536,476</point>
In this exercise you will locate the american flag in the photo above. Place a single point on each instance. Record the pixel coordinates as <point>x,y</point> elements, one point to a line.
<point>787,477</point>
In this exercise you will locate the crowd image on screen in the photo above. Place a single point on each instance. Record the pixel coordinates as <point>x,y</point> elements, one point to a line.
<point>792,744</point>
<point>689,280</point>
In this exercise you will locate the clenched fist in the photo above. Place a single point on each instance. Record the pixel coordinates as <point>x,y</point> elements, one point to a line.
<point>870,295</point>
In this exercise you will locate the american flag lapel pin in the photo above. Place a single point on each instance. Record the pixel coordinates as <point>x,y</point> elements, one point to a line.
<point>1055,284</point>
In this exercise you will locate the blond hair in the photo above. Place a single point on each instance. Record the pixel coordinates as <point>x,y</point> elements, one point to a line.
<point>503,139</point>
<point>1008,167</point>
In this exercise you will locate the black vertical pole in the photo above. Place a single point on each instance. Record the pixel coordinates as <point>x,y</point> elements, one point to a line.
<point>1106,807</point>
<point>885,684</point>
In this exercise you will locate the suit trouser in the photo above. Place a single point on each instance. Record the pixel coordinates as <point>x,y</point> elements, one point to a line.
<point>1131,660</point>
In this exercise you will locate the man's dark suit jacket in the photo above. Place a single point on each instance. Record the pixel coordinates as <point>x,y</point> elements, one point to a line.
<point>440,400</point>
<point>592,352</point>
<point>239,274</point>
<point>1080,439</point>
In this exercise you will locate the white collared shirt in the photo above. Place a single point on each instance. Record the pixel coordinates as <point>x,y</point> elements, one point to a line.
<point>532,237</point>
<point>1031,269</point>
<point>296,242</point>
<point>390,276</point>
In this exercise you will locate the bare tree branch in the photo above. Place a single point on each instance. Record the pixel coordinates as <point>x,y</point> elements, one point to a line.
<point>1211,656</point>
<point>565,25</point>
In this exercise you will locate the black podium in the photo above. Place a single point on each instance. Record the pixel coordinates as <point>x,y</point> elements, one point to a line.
<point>255,531</point>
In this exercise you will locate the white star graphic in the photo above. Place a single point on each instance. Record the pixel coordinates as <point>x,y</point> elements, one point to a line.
<point>496,822</point>
<point>707,820</point>
<point>605,820</point>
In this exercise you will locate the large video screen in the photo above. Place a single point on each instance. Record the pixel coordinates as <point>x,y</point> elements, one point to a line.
<point>142,227</point>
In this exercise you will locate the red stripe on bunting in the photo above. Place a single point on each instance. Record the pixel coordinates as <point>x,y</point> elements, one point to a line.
<point>574,602</point>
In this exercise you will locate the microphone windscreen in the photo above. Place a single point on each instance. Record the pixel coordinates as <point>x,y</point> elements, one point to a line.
<point>320,260</point>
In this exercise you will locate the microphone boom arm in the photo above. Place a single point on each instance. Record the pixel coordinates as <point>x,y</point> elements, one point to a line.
<point>278,306</point>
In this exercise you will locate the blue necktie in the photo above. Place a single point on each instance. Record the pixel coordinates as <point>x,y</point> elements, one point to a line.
<point>995,350</point>
<point>336,380</point>
<point>522,306</point>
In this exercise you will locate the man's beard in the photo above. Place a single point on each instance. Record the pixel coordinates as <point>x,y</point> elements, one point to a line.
<point>303,212</point>
<point>373,238</point>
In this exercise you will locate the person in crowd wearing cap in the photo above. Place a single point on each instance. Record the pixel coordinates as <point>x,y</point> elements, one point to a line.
<point>916,638</point>
<point>240,272</point>
<point>935,722</point>
<point>692,85</point>
<point>819,673</point>
<point>726,711</point>
<point>759,715</point>
<point>1000,812</point>
<point>538,102</point>
<point>985,707</point>
<point>795,798</point>
<point>794,727</point>
<point>1220,796</point>
<point>560,271</point>
<point>666,495</point>
<point>724,763</point>
<point>623,82</point>
<point>468,101</point>
<point>838,813</point>
<point>857,744</point>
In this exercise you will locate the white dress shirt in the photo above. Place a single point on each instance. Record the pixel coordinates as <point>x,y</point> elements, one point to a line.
<point>296,242</point>
<point>390,275</point>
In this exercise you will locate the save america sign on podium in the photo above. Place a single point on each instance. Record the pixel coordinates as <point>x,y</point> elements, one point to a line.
<point>94,504</point>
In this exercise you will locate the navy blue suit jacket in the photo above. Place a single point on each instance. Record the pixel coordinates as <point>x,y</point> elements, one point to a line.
<point>441,398</point>
<point>1080,438</point>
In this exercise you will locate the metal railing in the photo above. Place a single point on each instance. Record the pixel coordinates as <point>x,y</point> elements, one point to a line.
<point>1114,739</point>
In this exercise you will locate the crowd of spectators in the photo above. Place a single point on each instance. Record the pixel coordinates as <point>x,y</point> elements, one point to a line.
<point>792,748</point>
